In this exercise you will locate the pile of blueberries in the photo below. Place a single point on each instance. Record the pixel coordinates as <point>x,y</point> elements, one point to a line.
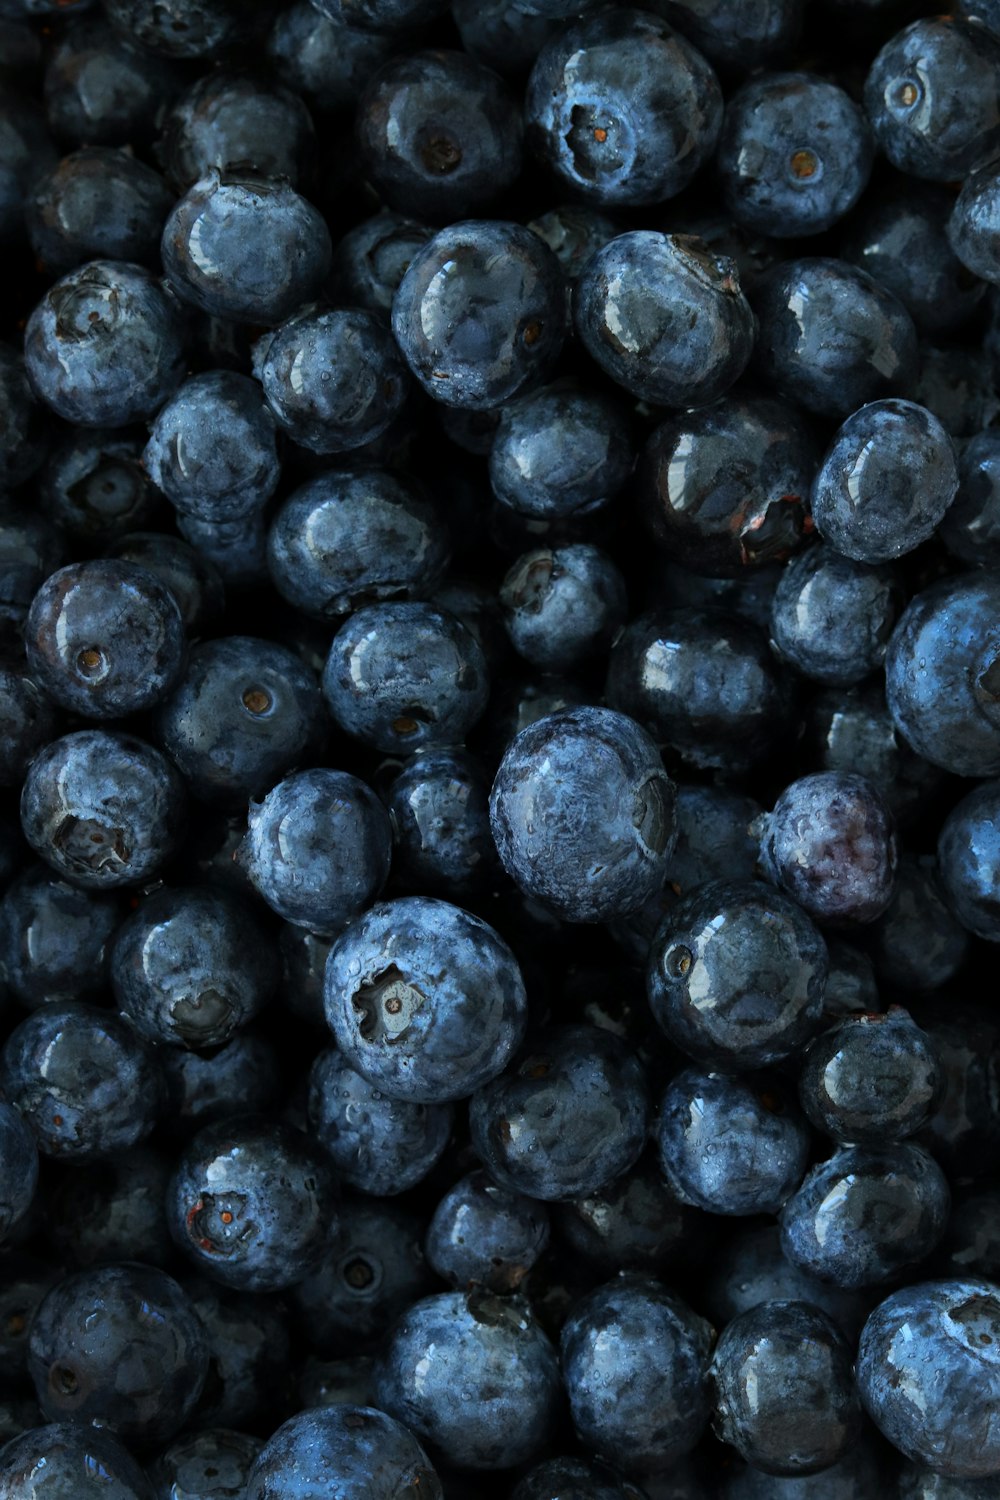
<point>499,750</point>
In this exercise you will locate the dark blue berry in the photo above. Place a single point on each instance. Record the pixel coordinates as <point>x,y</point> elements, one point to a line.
<point>918,943</point>
<point>482,1235</point>
<point>179,28</point>
<point>192,579</point>
<point>562,606</point>
<point>871,1079</point>
<point>371,259</point>
<point>98,204</point>
<point>225,119</point>
<point>971,526</point>
<point>365,1448</point>
<point>969,861</point>
<point>324,60</point>
<point>736,37</point>
<point>209,1465</point>
<point>832,618</point>
<point>24,431</point>
<point>635,1223</point>
<point>54,939</point>
<point>18,1167</point>
<point>95,488</point>
<point>560,453</point>
<point>71,1461</point>
<point>439,812</point>
<point>249,1354</point>
<point>114,1210</point>
<point>202,1087</point>
<point>102,91</point>
<point>28,720</point>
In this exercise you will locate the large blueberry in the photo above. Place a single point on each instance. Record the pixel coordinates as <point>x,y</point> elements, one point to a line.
<point>371,1454</point>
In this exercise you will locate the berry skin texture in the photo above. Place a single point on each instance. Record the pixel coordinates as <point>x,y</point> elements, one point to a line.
<point>664,317</point>
<point>583,814</point>
<point>560,452</point>
<point>440,816</point>
<point>969,860</point>
<point>98,204</point>
<point>832,618</point>
<point>639,1399</point>
<point>104,347</point>
<point>622,110</point>
<point>213,1464</point>
<point>424,1000</point>
<point>494,1351</point>
<point>71,1461</point>
<point>482,1235</point>
<point>871,1079</point>
<point>317,848</point>
<point>928,1372</point>
<point>480,313</point>
<point>784,1389</point>
<point>371,1454</point>
<point>18,1167</point>
<point>563,606</point>
<point>105,639</point>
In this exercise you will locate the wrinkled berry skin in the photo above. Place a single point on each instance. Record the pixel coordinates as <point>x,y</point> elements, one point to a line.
<point>245,711</point>
<point>480,313</point>
<point>105,638</point>
<point>639,1398</point>
<point>70,1461</point>
<point>378,1145</point>
<point>871,1079</point>
<point>103,809</point>
<point>933,98</point>
<point>18,1167</point>
<point>830,844</point>
<point>582,814</point>
<point>482,1235</point>
<point>886,481</point>
<point>209,1465</point>
<point>969,861</point>
<point>317,848</point>
<point>245,247</point>
<point>866,1214</point>
<point>730,1145</point>
<point>212,449</point>
<point>121,1345</point>
<point>831,618</point>
<point>664,317</point>
<point>831,337</point>
<point>562,606</point>
<point>941,671</point>
<point>736,975</point>
<point>494,1351</point>
<point>424,1000</point>
<point>348,538</point>
<point>795,154</point>
<point>704,683</point>
<point>370,1453</point>
<point>567,1118</point>
<point>104,347</point>
<point>190,967</point>
<point>622,110</point>
<point>401,676</point>
<point>439,135</point>
<point>251,1203</point>
<point>928,1372</point>
<point>725,488</point>
<point>784,1389</point>
<point>84,1081</point>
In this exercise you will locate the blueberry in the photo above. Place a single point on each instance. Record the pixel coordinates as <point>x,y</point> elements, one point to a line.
<point>560,453</point>
<point>940,675</point>
<point>54,939</point>
<point>71,1461</point>
<point>23,427</point>
<point>784,1389</point>
<point>209,1465</point>
<point>569,1116</point>
<point>871,1079</point>
<point>714,839</point>
<point>957,384</point>
<point>439,135</point>
<point>493,1350</point>
<point>104,809</point>
<point>333,379</point>
<point>635,1223</point>
<point>236,549</point>
<point>31,548</point>
<point>303,963</point>
<point>963,1131</point>
<point>573,1479</point>
<point>439,812</point>
<point>664,317</point>
<point>927,1374</point>
<point>621,109</point>
<point>832,337</point>
<point>866,1214</point>
<point>705,685</point>
<point>25,153</point>
<point>317,848</point>
<point>101,90</point>
<point>85,1082</point>
<point>736,37</point>
<point>105,639</point>
<point>190,967</point>
<point>192,579</point>
<point>229,118</point>
<point>639,1398</point>
<point>378,15</point>
<point>337,1382</point>
<point>918,943</point>
<point>830,843</point>
<point>201,1087</point>
<point>120,1345</point>
<point>365,1448</point>
<point>104,347</point>
<point>246,710</point>
<point>832,618</point>
<point>18,1168</point>
<point>378,1145</point>
<point>562,606</point>
<point>98,204</point>
<point>736,975</point>
<point>969,861</point>
<point>325,61</point>
<point>749,1269</point>
<point>860,1472</point>
<point>94,487</point>
<point>403,676</point>
<point>113,1210</point>
<point>249,1352</point>
<point>424,1000</point>
<point>480,313</point>
<point>970,526</point>
<point>730,1145</point>
<point>244,246</point>
<point>179,28</point>
<point>372,1270</point>
<point>212,448</point>
<point>725,488</point>
<point>502,34</point>
<point>482,1235</point>
<point>932,98</point>
<point>251,1203</point>
<point>28,720</point>
<point>918,1483</point>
